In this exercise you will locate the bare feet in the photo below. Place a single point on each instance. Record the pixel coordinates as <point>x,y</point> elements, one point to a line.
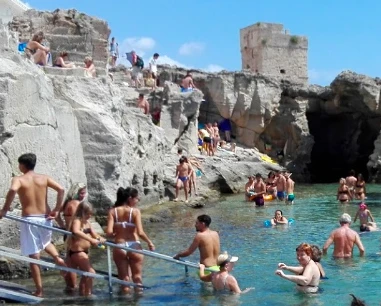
<point>186,201</point>
<point>38,293</point>
<point>176,200</point>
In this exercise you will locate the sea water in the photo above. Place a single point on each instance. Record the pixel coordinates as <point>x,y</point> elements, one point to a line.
<point>260,249</point>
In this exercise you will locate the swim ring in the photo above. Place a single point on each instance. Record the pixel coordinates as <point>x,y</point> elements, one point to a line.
<point>268,159</point>
<point>269,197</point>
<point>267,223</point>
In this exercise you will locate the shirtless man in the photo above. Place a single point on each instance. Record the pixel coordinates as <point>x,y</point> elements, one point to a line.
<point>290,184</point>
<point>187,83</point>
<point>32,190</point>
<point>143,104</point>
<point>351,181</point>
<point>207,242</point>
<point>183,171</point>
<point>344,239</point>
<point>260,190</point>
<point>280,186</point>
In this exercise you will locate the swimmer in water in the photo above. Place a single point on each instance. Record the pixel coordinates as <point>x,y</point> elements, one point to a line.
<point>316,257</point>
<point>307,275</point>
<point>278,218</point>
<point>343,193</point>
<point>364,215</point>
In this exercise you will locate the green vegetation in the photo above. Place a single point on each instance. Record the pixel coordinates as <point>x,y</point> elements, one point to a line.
<point>294,39</point>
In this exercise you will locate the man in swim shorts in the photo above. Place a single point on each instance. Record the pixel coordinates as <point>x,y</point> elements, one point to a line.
<point>289,188</point>
<point>207,242</point>
<point>280,186</point>
<point>344,239</point>
<point>32,190</point>
<point>182,178</point>
<point>351,181</point>
<point>260,190</point>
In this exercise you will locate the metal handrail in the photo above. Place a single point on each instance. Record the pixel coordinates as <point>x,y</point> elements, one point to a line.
<point>111,244</point>
<point>20,4</point>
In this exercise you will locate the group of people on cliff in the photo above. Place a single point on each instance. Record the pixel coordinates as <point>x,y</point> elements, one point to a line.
<point>36,49</point>
<point>209,138</point>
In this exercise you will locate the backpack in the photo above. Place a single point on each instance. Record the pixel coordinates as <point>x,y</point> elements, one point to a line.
<point>139,62</point>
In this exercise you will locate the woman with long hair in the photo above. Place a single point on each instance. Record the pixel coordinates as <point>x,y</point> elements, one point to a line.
<point>124,223</point>
<point>35,51</point>
<point>360,189</point>
<point>75,196</point>
<point>79,244</point>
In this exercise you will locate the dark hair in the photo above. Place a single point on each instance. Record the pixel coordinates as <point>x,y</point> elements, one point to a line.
<point>258,175</point>
<point>316,253</point>
<point>123,194</point>
<point>360,176</point>
<point>189,72</point>
<point>141,95</point>
<point>182,159</point>
<point>204,219</point>
<point>352,172</point>
<point>112,38</point>
<point>281,212</point>
<point>356,301</point>
<point>271,173</point>
<point>156,54</point>
<point>180,151</point>
<point>28,160</point>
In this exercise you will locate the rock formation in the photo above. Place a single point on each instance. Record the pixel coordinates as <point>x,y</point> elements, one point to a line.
<point>323,131</point>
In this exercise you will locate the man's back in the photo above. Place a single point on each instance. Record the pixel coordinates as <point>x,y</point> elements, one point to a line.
<point>209,246</point>
<point>344,239</point>
<point>33,193</point>
<point>351,181</point>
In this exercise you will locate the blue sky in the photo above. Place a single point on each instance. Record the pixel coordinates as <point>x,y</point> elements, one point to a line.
<point>343,35</point>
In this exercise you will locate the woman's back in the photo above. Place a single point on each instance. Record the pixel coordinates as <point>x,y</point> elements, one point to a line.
<point>124,223</point>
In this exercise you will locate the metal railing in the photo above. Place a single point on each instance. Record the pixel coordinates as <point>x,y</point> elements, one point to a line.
<point>20,4</point>
<point>109,245</point>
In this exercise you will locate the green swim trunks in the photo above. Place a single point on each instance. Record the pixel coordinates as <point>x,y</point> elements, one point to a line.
<point>213,268</point>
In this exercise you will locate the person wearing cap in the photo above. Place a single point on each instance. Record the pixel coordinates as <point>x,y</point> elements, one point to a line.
<point>260,191</point>
<point>364,214</point>
<point>222,280</point>
<point>207,242</point>
<point>307,275</point>
<point>344,239</point>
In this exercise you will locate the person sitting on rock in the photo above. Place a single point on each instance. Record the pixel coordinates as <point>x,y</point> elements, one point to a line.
<point>60,61</point>
<point>143,104</point>
<point>90,70</point>
<point>187,83</point>
<point>35,51</point>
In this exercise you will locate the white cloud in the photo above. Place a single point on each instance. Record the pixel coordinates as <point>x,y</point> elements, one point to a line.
<point>213,68</point>
<point>322,77</point>
<point>164,59</point>
<point>191,48</point>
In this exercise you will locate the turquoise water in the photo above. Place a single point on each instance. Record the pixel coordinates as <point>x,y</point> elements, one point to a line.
<point>259,249</point>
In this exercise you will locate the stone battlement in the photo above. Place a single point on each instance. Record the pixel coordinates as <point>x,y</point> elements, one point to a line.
<point>269,49</point>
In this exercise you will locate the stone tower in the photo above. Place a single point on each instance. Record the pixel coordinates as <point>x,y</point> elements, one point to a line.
<point>11,8</point>
<point>268,49</point>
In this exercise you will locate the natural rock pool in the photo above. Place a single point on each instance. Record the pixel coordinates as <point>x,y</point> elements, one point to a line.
<point>259,249</point>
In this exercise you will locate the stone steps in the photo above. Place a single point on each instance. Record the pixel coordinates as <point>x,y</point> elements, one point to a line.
<point>78,72</point>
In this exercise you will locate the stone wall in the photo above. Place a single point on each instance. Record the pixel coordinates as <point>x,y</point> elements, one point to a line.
<point>67,30</point>
<point>270,50</point>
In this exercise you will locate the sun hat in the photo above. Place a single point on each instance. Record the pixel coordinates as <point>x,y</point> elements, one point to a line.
<point>225,257</point>
<point>345,218</point>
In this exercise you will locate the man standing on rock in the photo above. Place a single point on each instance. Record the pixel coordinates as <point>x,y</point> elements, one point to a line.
<point>344,239</point>
<point>207,241</point>
<point>32,190</point>
<point>183,171</point>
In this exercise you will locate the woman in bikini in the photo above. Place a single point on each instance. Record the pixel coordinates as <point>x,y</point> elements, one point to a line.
<point>360,189</point>
<point>79,244</point>
<point>61,62</point>
<point>76,194</point>
<point>271,184</point>
<point>343,192</point>
<point>36,51</point>
<point>222,280</point>
<point>307,275</point>
<point>124,224</point>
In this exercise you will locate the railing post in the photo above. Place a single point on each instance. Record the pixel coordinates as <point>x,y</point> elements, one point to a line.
<point>109,267</point>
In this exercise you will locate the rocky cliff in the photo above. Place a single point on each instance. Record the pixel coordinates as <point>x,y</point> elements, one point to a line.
<point>323,131</point>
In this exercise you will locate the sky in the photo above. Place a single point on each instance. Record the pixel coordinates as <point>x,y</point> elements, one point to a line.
<point>204,34</point>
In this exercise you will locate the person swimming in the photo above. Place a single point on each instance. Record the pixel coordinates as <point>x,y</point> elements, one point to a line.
<point>278,218</point>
